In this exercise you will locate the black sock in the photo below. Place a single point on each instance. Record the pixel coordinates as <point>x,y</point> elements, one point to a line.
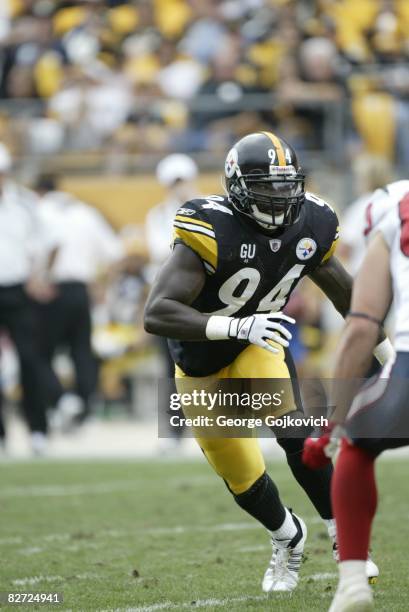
<point>262,501</point>
<point>316,483</point>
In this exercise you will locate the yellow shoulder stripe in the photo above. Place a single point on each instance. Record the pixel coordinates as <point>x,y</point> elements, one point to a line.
<point>331,250</point>
<point>278,147</point>
<point>193,221</point>
<point>205,246</point>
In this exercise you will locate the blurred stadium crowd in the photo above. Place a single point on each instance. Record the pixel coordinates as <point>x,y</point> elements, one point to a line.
<point>95,96</point>
<point>135,76</point>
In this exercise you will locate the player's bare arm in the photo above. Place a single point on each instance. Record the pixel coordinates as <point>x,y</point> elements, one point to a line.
<point>168,311</point>
<point>371,298</point>
<point>332,278</point>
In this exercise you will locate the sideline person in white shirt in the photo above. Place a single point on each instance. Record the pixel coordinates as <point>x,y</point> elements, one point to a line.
<point>86,246</point>
<point>177,173</point>
<point>21,239</point>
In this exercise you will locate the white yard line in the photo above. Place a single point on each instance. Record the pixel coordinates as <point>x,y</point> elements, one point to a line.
<point>166,605</point>
<point>45,541</point>
<point>31,550</point>
<point>201,528</point>
<point>213,602</point>
<point>32,580</point>
<point>11,541</point>
<point>198,603</point>
<point>254,549</point>
<point>115,533</point>
<point>321,576</point>
<point>56,537</point>
<point>74,544</point>
<point>63,490</point>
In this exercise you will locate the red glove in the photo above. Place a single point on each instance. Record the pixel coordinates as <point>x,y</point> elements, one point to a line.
<point>318,452</point>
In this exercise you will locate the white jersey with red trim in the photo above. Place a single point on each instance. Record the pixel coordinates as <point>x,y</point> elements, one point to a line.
<point>361,218</point>
<point>394,226</point>
<point>381,202</point>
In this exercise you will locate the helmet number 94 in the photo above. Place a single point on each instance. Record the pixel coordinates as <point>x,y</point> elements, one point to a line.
<point>272,155</point>
<point>248,280</point>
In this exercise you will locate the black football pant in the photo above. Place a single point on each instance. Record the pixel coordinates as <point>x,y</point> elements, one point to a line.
<point>66,322</point>
<point>17,317</point>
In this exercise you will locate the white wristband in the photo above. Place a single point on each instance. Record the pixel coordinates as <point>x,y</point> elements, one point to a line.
<point>217,328</point>
<point>384,351</point>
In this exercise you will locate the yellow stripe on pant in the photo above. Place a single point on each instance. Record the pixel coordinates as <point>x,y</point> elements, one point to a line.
<point>238,461</point>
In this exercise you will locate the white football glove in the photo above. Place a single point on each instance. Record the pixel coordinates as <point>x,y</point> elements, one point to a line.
<point>256,329</point>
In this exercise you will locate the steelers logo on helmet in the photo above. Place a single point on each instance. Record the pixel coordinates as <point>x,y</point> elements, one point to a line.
<point>305,249</point>
<point>231,164</point>
<point>264,181</point>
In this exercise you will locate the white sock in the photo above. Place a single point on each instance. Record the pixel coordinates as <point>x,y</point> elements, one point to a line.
<point>332,528</point>
<point>352,571</point>
<point>287,530</point>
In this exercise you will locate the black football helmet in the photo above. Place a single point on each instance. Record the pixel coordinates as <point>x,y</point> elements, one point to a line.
<point>264,181</point>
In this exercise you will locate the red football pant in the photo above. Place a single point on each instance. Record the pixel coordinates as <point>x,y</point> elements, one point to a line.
<point>354,499</point>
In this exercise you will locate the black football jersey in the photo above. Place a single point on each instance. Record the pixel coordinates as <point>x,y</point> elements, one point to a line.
<point>247,272</point>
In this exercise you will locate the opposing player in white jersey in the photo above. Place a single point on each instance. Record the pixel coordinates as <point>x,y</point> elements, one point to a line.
<point>378,418</point>
<point>381,202</point>
<point>317,450</point>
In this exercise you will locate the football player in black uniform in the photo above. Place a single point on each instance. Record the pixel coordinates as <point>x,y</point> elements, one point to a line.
<point>235,261</point>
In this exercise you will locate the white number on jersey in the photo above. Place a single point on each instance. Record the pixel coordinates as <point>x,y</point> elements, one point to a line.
<point>272,302</point>
<point>213,202</point>
<point>318,201</point>
<point>276,298</point>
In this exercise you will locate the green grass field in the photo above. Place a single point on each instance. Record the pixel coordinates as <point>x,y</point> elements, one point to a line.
<point>167,536</point>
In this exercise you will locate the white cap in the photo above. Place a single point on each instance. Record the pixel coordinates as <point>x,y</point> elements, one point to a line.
<point>174,167</point>
<point>5,159</point>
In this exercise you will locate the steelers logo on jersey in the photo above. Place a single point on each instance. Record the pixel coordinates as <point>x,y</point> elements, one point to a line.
<point>305,248</point>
